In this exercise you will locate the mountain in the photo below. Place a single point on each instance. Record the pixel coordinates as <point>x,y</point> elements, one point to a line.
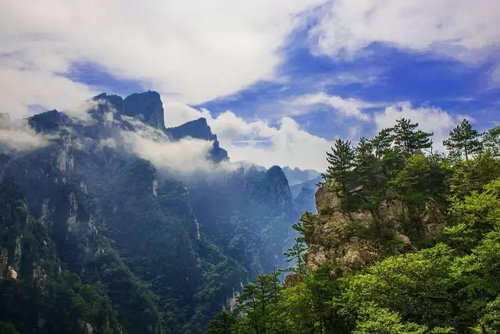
<point>123,243</point>
<point>303,194</point>
<point>297,175</point>
<point>199,129</point>
<point>249,214</point>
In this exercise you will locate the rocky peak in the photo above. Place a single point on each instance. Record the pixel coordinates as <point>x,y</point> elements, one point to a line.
<point>48,121</point>
<point>195,129</point>
<point>147,107</point>
<point>199,129</point>
<point>114,100</point>
<point>278,185</point>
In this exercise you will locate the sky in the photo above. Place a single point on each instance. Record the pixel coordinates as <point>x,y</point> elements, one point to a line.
<point>277,80</point>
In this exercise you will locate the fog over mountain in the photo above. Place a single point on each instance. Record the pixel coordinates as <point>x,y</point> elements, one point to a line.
<point>155,220</point>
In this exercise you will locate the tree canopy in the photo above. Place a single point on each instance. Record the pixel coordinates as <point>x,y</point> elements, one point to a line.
<point>463,140</point>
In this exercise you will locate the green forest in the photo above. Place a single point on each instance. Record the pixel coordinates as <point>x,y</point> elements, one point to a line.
<point>405,240</point>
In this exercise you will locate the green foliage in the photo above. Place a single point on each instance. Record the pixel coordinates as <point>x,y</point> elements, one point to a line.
<point>472,175</point>
<point>297,253</point>
<point>43,298</point>
<point>490,321</point>
<point>463,140</point>
<point>415,285</point>
<point>474,216</point>
<point>222,323</point>
<point>259,304</point>
<point>379,320</point>
<point>382,142</point>
<point>491,141</point>
<point>420,182</point>
<point>407,139</point>
<point>308,305</point>
<point>340,163</point>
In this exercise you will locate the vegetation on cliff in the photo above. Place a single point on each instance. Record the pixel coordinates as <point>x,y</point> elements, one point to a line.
<point>403,242</point>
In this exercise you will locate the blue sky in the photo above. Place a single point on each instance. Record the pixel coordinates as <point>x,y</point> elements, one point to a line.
<point>277,81</point>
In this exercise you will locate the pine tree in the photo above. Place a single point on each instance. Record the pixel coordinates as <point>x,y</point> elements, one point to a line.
<point>222,323</point>
<point>340,164</point>
<point>463,140</point>
<point>381,144</point>
<point>258,306</point>
<point>363,151</point>
<point>297,253</point>
<point>491,141</point>
<point>407,139</point>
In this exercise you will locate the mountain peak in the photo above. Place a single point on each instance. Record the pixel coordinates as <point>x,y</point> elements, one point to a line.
<point>48,121</point>
<point>197,128</point>
<point>115,100</point>
<point>146,106</point>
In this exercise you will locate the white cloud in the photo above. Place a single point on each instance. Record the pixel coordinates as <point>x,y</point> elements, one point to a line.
<point>22,89</point>
<point>258,142</point>
<point>184,156</point>
<point>18,135</point>
<point>348,107</point>
<point>190,50</point>
<point>287,145</point>
<point>187,155</point>
<point>459,28</point>
<point>430,119</point>
<point>495,76</point>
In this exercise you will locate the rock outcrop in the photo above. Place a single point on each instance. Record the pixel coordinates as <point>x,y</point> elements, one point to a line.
<point>353,240</point>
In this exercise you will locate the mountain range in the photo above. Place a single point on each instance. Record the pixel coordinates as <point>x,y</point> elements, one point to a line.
<point>108,225</point>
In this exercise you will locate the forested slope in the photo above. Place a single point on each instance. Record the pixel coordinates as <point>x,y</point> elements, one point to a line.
<point>404,241</point>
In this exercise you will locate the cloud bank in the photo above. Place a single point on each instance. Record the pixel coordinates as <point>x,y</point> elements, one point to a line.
<point>191,51</point>
<point>17,135</point>
<point>464,29</point>
<point>185,156</point>
<point>257,141</point>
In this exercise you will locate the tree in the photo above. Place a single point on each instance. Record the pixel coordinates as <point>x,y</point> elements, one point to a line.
<point>375,319</point>
<point>222,323</point>
<point>368,177</point>
<point>341,162</point>
<point>419,181</point>
<point>417,286</point>
<point>308,305</point>
<point>407,139</point>
<point>474,216</point>
<point>258,305</point>
<point>491,141</point>
<point>382,142</point>
<point>463,140</point>
<point>490,322</point>
<point>297,253</point>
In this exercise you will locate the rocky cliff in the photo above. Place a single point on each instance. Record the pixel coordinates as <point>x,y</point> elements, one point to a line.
<point>355,239</point>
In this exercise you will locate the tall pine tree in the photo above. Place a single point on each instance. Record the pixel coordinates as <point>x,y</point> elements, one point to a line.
<point>407,139</point>
<point>340,164</point>
<point>491,141</point>
<point>381,144</point>
<point>463,140</point>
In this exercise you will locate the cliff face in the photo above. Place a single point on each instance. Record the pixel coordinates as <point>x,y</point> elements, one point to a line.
<point>353,240</point>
